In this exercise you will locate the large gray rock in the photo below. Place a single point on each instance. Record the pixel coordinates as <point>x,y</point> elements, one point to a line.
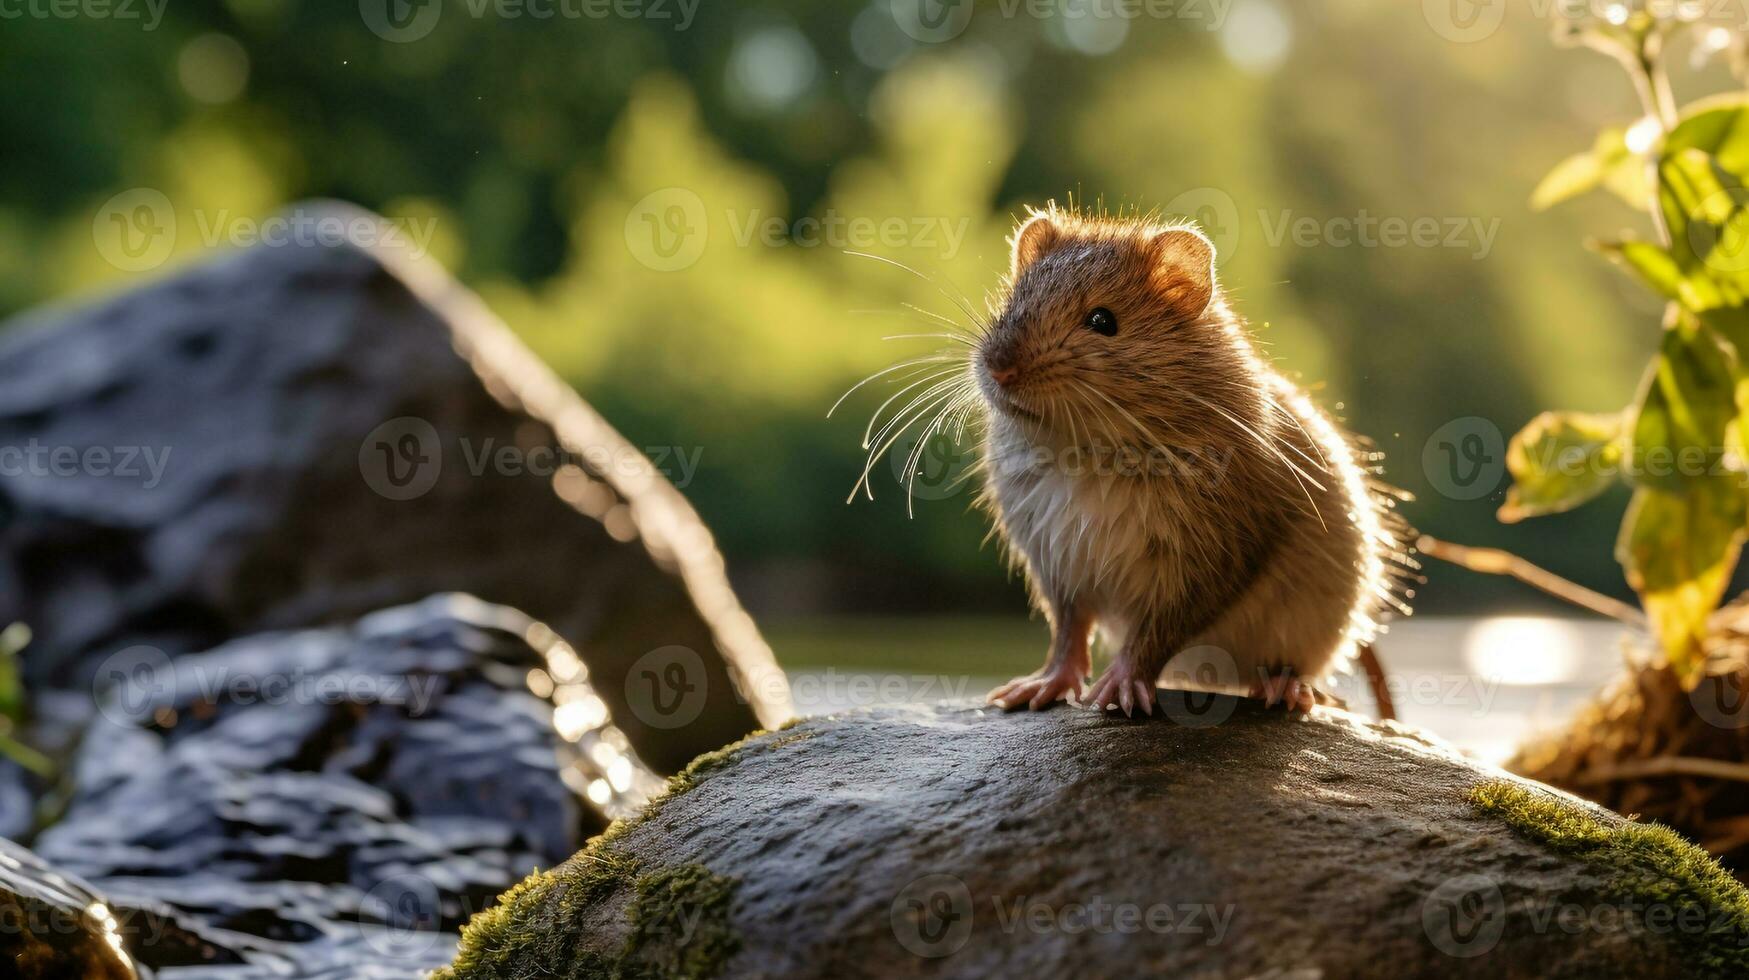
<point>317,803</point>
<point>1213,840</point>
<point>300,434</point>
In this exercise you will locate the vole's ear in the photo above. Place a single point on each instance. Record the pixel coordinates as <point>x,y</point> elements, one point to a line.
<point>1184,270</point>
<point>1033,239</point>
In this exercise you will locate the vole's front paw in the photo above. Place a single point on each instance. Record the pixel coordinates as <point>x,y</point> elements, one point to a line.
<point>1036,691</point>
<point>1286,690</point>
<point>1123,688</point>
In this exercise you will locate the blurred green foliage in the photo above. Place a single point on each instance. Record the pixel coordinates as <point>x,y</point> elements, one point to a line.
<point>1682,443</point>
<point>14,705</point>
<point>534,144</point>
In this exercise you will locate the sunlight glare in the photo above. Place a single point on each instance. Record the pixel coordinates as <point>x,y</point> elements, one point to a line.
<point>1523,650</point>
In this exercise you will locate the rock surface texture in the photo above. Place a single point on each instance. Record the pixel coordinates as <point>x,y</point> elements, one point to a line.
<point>53,926</point>
<point>299,435</point>
<point>1212,840</point>
<point>338,802</point>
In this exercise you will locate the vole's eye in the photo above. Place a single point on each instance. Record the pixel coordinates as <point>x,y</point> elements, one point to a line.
<point>1101,321</point>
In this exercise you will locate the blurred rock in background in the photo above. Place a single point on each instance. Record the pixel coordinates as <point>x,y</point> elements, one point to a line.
<point>300,434</point>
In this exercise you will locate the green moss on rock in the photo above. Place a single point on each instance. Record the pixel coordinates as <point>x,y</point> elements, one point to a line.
<point>1647,863</point>
<point>680,925</point>
<point>678,917</point>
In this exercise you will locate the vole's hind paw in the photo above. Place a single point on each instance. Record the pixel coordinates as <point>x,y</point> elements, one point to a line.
<point>1286,690</point>
<point>1121,688</point>
<point>1037,691</point>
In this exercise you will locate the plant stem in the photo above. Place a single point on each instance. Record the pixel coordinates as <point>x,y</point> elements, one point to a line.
<point>1666,765</point>
<point>1644,63</point>
<point>1493,561</point>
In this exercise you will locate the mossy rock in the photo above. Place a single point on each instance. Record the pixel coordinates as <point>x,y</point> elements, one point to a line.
<point>1211,840</point>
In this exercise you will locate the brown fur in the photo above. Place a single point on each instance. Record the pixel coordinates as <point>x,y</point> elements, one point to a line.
<point>1167,484</point>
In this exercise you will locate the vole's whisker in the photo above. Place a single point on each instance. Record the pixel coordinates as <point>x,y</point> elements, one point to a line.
<point>949,322</point>
<point>960,301</point>
<point>915,409</point>
<point>1323,461</point>
<point>917,451</point>
<point>940,357</point>
<point>1140,428</point>
<point>956,338</point>
<point>937,379</point>
<point>1300,476</point>
<point>862,482</point>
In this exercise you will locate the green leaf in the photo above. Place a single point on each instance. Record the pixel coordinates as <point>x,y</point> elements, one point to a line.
<point>1561,460</point>
<point>1718,127</point>
<point>1608,163</point>
<point>1703,206</point>
<point>1572,177</point>
<point>1687,401</point>
<point>1678,551</point>
<point>1651,264</point>
<point>12,639</point>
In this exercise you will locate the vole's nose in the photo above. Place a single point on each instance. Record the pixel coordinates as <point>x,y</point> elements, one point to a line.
<point>1002,368</point>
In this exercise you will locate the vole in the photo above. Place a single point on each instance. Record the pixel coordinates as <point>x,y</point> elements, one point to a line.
<point>1161,483</point>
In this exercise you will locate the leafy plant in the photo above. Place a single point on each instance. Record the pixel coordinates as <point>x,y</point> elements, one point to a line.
<point>1683,443</point>
<point>12,703</point>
